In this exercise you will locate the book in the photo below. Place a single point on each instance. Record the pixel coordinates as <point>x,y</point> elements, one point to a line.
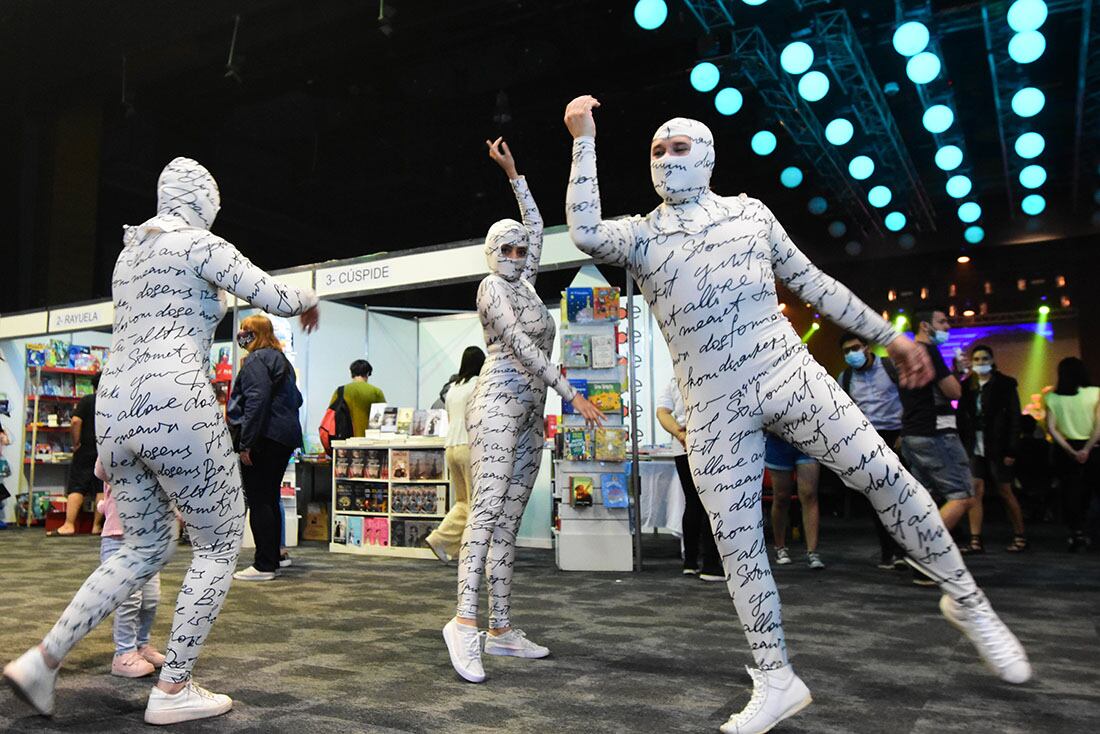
<point>36,355</point>
<point>376,464</point>
<point>345,496</point>
<point>376,531</point>
<point>340,462</point>
<point>354,532</point>
<point>605,303</point>
<point>603,351</point>
<point>340,529</point>
<point>581,386</point>
<point>80,357</point>
<point>576,350</point>
<point>374,422</point>
<point>358,464</point>
<point>606,396</point>
<point>613,490</point>
<point>399,468</point>
<point>610,444</point>
<point>389,420</point>
<point>419,423</point>
<point>426,464</point>
<point>578,305</point>
<point>58,354</point>
<point>404,420</point>
<point>580,491</point>
<point>438,422</point>
<point>577,444</point>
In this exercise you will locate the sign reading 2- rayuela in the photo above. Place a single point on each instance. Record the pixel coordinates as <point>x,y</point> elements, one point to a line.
<point>89,316</point>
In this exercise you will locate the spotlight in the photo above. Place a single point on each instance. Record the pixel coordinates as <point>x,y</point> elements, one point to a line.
<point>911,38</point>
<point>813,86</point>
<point>839,131</point>
<point>796,58</point>
<point>974,234</point>
<point>861,167</point>
<point>838,229</point>
<point>879,196</point>
<point>968,312</point>
<point>818,205</point>
<point>791,177</point>
<point>1026,47</point>
<point>1028,102</point>
<point>1044,310</point>
<point>1027,15</point>
<point>949,157</point>
<point>890,89</point>
<point>1033,176</point>
<point>650,14</point>
<point>938,118</point>
<point>763,143</point>
<point>728,101</point>
<point>970,212</point>
<point>923,68</point>
<point>815,326</point>
<point>895,221</point>
<point>705,76</point>
<point>1030,145</point>
<point>958,186</point>
<point>1033,204</point>
<point>907,241</point>
<point>754,2</point>
<point>962,259</point>
<point>900,322</point>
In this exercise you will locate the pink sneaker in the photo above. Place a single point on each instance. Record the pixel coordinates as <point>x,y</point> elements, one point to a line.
<point>151,654</point>
<point>131,665</point>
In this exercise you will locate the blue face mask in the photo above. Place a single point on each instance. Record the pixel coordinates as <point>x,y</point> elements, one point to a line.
<point>940,337</point>
<point>856,359</point>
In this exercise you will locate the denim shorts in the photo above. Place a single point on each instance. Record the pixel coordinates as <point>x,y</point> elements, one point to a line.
<point>939,463</point>
<point>781,456</point>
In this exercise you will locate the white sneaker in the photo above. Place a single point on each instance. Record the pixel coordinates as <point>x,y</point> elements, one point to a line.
<point>776,695</point>
<point>514,642</point>
<point>285,562</point>
<point>782,556</point>
<point>193,702</point>
<point>712,577</point>
<point>814,560</point>
<point>464,646</point>
<point>33,680</point>
<point>251,574</point>
<point>997,646</point>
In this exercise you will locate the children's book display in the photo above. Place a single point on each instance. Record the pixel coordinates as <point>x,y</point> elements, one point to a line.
<point>590,480</point>
<point>388,496</point>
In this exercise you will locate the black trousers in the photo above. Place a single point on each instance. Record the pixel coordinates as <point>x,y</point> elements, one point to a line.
<point>887,544</point>
<point>261,491</point>
<point>1078,481</point>
<point>696,526</point>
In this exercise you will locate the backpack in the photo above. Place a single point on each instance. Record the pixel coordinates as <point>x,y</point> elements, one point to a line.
<point>336,425</point>
<point>887,364</point>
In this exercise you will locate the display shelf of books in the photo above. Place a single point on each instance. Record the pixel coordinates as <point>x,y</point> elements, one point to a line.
<point>389,492</point>
<point>590,482</point>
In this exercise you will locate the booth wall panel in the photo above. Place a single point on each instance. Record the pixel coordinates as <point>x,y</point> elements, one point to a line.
<point>442,341</point>
<point>391,349</point>
<point>324,357</point>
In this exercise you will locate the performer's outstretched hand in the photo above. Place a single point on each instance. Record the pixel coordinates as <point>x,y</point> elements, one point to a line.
<point>499,152</point>
<point>578,116</point>
<point>593,416</point>
<point>914,366</point>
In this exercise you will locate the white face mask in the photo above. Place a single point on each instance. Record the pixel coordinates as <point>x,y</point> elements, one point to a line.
<point>513,234</point>
<point>940,337</point>
<point>982,369</point>
<point>679,179</point>
<point>186,190</point>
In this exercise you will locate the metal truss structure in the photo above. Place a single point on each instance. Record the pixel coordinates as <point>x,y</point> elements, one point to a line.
<point>1087,127</point>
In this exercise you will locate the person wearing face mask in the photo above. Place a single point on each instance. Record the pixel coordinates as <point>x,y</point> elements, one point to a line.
<point>707,265</point>
<point>162,438</point>
<point>263,420</point>
<point>989,425</point>
<point>504,421</point>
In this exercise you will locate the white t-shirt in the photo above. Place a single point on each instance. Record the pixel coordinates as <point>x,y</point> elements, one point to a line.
<point>671,399</point>
<point>457,398</point>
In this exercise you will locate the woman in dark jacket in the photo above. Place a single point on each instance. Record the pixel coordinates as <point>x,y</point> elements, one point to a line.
<point>989,425</point>
<point>263,416</point>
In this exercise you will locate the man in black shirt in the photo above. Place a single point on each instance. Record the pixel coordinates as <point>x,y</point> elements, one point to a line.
<point>82,478</point>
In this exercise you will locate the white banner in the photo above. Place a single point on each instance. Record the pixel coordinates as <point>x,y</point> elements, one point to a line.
<point>76,318</point>
<point>24,324</point>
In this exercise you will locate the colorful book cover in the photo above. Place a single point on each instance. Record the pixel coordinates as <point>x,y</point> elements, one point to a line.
<point>580,491</point>
<point>578,444</point>
<point>377,410</point>
<point>80,357</point>
<point>58,355</point>
<point>399,468</point>
<point>576,350</point>
<point>605,303</point>
<point>606,396</point>
<point>610,444</point>
<point>578,305</point>
<point>345,496</point>
<point>603,351</point>
<point>389,420</point>
<point>36,355</point>
<point>404,420</point>
<point>613,490</point>
<point>354,531</point>
<point>581,386</point>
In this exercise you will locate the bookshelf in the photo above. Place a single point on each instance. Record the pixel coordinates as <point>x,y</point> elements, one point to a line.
<point>387,495</point>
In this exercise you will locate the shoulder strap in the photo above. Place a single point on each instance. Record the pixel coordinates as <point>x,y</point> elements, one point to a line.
<point>891,370</point>
<point>846,379</point>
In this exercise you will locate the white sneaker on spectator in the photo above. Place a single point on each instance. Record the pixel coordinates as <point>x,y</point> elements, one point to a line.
<point>776,695</point>
<point>33,680</point>
<point>813,559</point>
<point>192,702</point>
<point>514,642</point>
<point>464,646</point>
<point>997,646</point>
<point>251,574</point>
<point>782,556</point>
<point>285,561</point>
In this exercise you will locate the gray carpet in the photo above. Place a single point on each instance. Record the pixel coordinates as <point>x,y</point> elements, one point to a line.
<point>353,644</point>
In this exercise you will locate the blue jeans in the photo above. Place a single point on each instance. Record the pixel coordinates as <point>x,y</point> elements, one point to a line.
<point>133,617</point>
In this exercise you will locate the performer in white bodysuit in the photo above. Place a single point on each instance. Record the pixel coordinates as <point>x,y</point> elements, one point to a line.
<point>162,437</point>
<point>505,425</point>
<point>707,266</point>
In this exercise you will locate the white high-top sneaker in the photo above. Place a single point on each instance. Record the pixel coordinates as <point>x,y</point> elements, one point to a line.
<point>33,680</point>
<point>464,646</point>
<point>997,646</point>
<point>514,642</point>
<point>776,695</point>
<point>193,702</point>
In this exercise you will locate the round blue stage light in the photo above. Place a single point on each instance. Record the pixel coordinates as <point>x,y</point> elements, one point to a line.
<point>861,167</point>
<point>813,86</point>
<point>1030,145</point>
<point>970,212</point>
<point>911,38</point>
<point>837,229</point>
<point>763,143</point>
<point>1026,47</point>
<point>818,205</point>
<point>907,241</point>
<point>1028,102</point>
<point>879,196</point>
<point>839,131</point>
<point>791,177</point>
<point>705,76</point>
<point>728,101</point>
<point>1033,176</point>
<point>895,221</point>
<point>1027,15</point>
<point>958,186</point>
<point>1033,204</point>
<point>796,58</point>
<point>754,2</point>
<point>974,234</point>
<point>650,14</point>
<point>949,157</point>
<point>938,118</point>
<point>923,68</point>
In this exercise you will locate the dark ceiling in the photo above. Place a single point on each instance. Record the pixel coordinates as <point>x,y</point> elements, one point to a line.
<point>334,134</point>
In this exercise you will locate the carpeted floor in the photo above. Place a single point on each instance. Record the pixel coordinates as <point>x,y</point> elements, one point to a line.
<point>343,644</point>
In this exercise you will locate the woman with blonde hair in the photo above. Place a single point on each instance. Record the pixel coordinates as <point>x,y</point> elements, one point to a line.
<point>263,419</point>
